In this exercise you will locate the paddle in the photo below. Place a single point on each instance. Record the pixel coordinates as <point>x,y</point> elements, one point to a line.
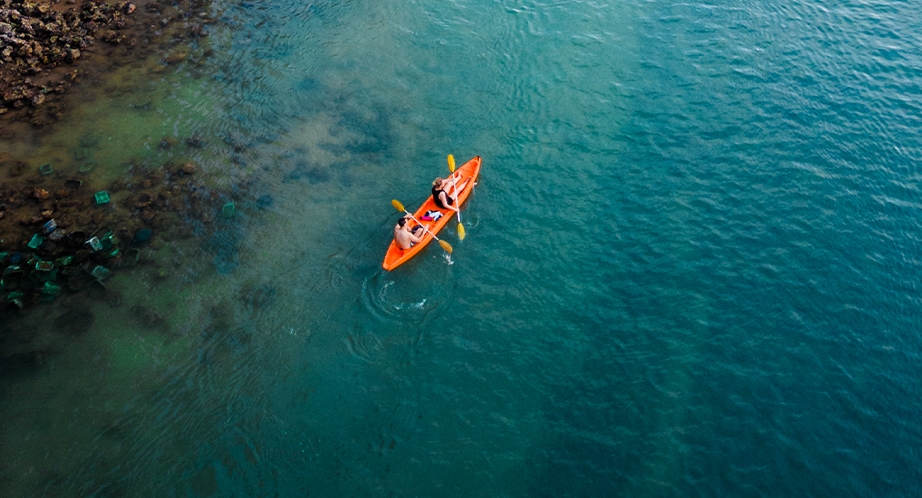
<point>445,245</point>
<point>451,167</point>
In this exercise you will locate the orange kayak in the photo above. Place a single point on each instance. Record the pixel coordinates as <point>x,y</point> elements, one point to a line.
<point>395,255</point>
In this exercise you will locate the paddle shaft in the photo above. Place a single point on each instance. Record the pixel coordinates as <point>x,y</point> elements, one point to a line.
<point>420,224</point>
<point>451,168</point>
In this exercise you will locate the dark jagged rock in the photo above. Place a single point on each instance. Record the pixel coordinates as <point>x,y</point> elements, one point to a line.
<point>36,37</point>
<point>39,39</point>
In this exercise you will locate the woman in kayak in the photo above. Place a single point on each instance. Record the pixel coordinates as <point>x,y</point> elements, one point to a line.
<point>445,192</point>
<point>405,237</point>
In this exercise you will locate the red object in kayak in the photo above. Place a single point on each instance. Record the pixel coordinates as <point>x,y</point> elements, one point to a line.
<point>396,256</point>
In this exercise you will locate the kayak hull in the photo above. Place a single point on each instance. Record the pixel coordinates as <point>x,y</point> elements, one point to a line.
<point>396,256</point>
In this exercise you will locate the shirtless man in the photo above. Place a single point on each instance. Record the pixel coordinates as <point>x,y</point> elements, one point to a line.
<point>405,237</point>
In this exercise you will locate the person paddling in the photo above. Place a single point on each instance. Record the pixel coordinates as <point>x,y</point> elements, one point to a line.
<point>445,192</point>
<point>404,236</point>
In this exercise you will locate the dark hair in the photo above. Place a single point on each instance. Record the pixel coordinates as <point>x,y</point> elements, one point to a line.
<point>402,221</point>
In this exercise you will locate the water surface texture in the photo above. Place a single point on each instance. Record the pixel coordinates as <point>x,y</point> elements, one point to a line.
<point>691,267</point>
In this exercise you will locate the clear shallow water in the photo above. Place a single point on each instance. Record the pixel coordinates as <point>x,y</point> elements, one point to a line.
<point>691,267</point>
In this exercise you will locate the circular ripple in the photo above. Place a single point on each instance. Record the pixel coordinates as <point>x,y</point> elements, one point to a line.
<point>410,295</point>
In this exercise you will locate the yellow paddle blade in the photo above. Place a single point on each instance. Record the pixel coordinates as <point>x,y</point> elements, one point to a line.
<point>451,163</point>
<point>460,231</point>
<point>397,205</point>
<point>446,246</point>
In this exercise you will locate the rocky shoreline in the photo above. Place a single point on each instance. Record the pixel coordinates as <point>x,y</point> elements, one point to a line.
<point>44,44</point>
<point>57,234</point>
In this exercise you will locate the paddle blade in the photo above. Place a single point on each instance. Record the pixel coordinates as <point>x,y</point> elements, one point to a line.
<point>397,205</point>
<point>446,246</point>
<point>460,231</point>
<point>451,163</point>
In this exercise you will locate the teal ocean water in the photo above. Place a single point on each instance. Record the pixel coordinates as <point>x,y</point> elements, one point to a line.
<point>692,263</point>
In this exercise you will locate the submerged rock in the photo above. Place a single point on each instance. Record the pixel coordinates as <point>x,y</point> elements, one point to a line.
<point>75,321</point>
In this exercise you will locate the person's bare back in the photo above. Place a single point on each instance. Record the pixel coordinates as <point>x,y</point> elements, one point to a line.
<point>404,236</point>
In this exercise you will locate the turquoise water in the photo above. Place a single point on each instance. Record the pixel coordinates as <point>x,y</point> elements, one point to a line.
<point>691,266</point>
